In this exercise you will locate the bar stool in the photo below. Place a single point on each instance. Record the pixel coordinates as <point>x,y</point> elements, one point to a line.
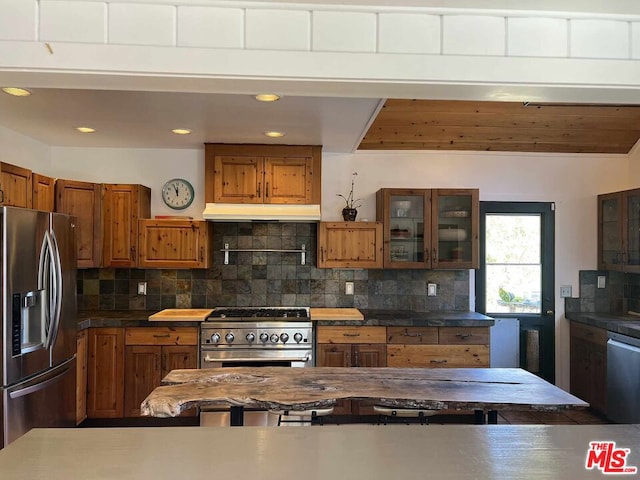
<point>312,417</point>
<point>386,413</point>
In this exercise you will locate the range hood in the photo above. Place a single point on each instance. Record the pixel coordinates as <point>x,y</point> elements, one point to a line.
<point>243,212</point>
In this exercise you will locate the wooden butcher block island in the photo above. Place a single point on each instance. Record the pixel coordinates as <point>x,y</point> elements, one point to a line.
<point>480,389</point>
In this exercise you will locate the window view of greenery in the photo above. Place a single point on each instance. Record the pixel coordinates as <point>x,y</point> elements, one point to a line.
<point>514,271</point>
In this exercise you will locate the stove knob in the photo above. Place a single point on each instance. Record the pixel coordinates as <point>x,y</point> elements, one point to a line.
<point>264,337</point>
<point>215,338</point>
<point>275,338</point>
<point>284,337</point>
<point>251,337</point>
<point>297,337</point>
<point>229,337</point>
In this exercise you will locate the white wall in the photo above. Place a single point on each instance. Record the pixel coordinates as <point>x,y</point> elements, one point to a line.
<point>18,149</point>
<point>150,167</point>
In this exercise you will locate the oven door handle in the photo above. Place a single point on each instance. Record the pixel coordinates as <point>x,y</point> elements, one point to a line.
<point>208,359</point>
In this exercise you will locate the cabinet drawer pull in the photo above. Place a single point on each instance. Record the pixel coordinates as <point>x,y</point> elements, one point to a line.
<point>163,335</point>
<point>464,336</point>
<point>438,361</point>
<point>351,334</point>
<point>407,334</point>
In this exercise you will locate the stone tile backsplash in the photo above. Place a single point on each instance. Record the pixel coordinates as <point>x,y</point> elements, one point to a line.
<point>270,279</point>
<point>621,293</point>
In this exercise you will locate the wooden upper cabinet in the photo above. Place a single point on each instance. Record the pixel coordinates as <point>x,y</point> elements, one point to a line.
<point>619,231</point>
<point>123,205</point>
<point>44,193</point>
<point>83,200</point>
<point>15,186</point>
<point>175,244</point>
<point>237,179</point>
<point>278,174</point>
<point>350,245</point>
<point>429,228</point>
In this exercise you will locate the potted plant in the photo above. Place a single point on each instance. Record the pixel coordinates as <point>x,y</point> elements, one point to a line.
<point>349,212</point>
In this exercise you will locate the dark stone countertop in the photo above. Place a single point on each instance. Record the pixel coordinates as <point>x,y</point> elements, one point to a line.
<point>614,322</point>
<point>400,318</point>
<point>409,318</point>
<point>124,318</point>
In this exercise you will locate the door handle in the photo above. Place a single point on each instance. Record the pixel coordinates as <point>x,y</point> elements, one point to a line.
<point>549,312</point>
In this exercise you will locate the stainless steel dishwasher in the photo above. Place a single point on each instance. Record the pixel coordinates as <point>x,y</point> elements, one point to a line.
<point>623,378</point>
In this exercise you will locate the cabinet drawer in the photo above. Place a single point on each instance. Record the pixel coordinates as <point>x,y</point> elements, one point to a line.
<point>589,334</point>
<point>161,336</point>
<point>412,335</point>
<point>463,336</point>
<point>437,356</point>
<point>352,334</point>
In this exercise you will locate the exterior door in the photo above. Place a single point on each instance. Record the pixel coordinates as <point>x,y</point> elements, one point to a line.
<point>516,276</point>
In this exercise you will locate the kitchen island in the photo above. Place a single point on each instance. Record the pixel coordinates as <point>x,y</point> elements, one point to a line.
<point>461,452</point>
<point>280,388</point>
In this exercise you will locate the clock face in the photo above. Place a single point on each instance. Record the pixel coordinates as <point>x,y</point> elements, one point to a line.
<point>177,194</point>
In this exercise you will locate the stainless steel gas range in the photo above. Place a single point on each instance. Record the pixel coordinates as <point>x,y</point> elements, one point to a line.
<point>238,336</point>
<point>254,337</point>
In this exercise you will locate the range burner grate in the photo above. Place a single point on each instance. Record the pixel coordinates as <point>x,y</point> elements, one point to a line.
<point>262,313</point>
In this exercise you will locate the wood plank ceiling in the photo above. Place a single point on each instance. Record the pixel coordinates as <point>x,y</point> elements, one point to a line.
<point>503,126</point>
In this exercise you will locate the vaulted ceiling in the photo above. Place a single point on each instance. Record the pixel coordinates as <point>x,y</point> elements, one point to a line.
<point>503,126</point>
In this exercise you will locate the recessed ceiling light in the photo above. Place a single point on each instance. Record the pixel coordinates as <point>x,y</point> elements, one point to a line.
<point>181,131</point>
<point>86,129</point>
<point>274,134</point>
<point>16,92</point>
<point>267,97</point>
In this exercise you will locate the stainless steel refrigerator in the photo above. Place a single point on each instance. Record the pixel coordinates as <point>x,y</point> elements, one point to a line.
<point>38,349</point>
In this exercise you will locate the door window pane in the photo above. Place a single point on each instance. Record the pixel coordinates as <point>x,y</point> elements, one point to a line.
<point>513,263</point>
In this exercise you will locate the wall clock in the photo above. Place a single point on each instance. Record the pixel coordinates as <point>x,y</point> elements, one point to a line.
<point>177,193</point>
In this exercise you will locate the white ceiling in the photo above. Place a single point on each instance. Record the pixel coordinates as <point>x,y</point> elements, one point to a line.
<point>143,119</point>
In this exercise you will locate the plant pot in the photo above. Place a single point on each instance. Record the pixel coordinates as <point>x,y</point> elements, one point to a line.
<point>349,214</point>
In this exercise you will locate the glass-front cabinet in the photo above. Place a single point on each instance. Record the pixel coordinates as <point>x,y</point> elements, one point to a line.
<point>619,231</point>
<point>429,228</point>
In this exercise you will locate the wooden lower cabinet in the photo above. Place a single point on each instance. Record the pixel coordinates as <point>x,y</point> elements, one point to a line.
<point>105,373</point>
<point>588,365</point>
<point>340,347</point>
<point>150,354</point>
<point>126,364</point>
<point>402,347</point>
<point>437,356</point>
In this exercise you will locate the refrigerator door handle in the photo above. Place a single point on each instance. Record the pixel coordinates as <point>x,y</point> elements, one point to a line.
<point>44,283</point>
<point>28,390</point>
<point>56,291</point>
